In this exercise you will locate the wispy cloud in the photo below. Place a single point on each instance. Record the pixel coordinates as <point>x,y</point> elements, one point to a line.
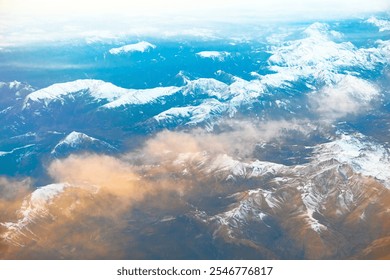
<point>350,95</point>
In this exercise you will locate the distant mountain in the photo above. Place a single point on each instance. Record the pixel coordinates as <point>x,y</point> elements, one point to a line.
<point>310,75</point>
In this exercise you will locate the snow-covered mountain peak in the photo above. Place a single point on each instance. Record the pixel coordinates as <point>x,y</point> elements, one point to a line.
<point>77,140</point>
<point>74,138</point>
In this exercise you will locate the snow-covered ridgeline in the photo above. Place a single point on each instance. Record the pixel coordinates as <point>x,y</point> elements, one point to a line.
<point>2,153</point>
<point>96,88</point>
<point>227,165</point>
<point>239,91</point>
<point>195,114</point>
<point>114,96</point>
<point>316,58</point>
<point>142,96</point>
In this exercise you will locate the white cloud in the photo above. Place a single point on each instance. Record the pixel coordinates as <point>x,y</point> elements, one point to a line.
<point>199,7</point>
<point>350,95</point>
<point>153,17</point>
<point>383,25</point>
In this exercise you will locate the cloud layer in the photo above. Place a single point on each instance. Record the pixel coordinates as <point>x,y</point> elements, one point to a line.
<point>46,20</point>
<point>201,8</point>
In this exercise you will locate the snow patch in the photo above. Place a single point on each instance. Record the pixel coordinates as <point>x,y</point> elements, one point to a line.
<point>215,55</point>
<point>137,47</point>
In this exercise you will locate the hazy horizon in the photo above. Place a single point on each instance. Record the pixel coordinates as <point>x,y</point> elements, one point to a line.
<point>25,22</point>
